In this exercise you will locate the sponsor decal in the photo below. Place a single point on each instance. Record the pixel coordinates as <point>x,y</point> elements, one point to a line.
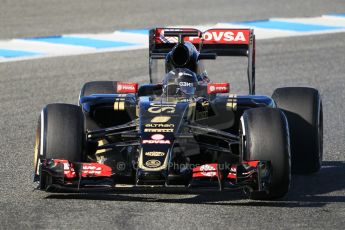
<point>157,137</point>
<point>156,142</point>
<point>149,165</point>
<point>155,154</point>
<point>160,125</point>
<point>91,167</point>
<point>212,36</point>
<point>183,83</point>
<point>153,163</point>
<point>95,169</point>
<point>208,170</point>
<point>160,119</point>
<point>168,39</point>
<point>223,36</point>
<point>218,88</point>
<point>159,108</point>
<point>162,38</point>
<point>127,87</point>
<point>159,130</point>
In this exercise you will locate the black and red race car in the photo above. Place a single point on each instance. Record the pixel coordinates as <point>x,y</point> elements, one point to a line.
<point>181,129</point>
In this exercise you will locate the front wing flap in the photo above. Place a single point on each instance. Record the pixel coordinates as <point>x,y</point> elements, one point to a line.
<point>254,175</point>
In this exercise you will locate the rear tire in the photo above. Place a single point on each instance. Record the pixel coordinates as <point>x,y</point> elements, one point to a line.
<point>265,136</point>
<point>303,109</point>
<point>59,135</point>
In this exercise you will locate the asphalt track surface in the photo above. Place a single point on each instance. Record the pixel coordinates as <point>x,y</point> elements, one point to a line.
<point>314,202</point>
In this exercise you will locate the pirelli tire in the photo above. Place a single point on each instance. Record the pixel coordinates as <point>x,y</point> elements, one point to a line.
<point>264,136</point>
<point>303,109</point>
<point>60,135</point>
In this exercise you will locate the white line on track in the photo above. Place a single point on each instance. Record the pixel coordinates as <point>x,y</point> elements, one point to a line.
<point>26,49</point>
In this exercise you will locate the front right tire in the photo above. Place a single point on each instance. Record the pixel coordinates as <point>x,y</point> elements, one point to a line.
<point>264,136</point>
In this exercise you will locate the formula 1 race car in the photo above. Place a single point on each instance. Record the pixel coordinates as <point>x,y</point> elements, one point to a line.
<point>182,129</point>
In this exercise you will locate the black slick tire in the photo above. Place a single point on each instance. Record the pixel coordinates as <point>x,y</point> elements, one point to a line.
<point>303,109</point>
<point>60,135</point>
<point>265,136</point>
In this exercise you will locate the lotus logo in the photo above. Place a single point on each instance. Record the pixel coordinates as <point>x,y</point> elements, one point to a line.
<point>153,163</point>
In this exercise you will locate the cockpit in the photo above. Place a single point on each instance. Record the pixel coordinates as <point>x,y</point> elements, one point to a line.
<point>180,83</point>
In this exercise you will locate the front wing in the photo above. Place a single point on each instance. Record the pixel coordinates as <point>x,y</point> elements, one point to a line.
<point>67,176</point>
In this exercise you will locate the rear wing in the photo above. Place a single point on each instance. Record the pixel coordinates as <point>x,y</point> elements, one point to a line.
<point>219,42</point>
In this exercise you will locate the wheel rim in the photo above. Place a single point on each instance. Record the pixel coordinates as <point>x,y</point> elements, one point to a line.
<point>320,135</point>
<point>242,144</point>
<point>37,147</point>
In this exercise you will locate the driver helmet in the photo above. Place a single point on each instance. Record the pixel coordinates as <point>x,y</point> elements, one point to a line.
<point>180,82</point>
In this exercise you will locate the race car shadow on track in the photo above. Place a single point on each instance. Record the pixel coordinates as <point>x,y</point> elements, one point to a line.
<point>306,191</point>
